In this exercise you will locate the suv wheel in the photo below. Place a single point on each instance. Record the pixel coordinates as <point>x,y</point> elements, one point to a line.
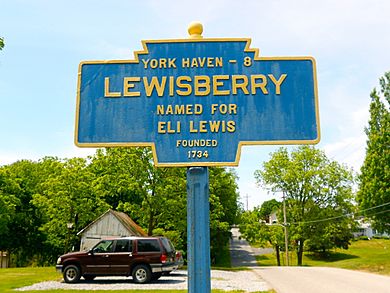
<point>141,274</point>
<point>71,274</point>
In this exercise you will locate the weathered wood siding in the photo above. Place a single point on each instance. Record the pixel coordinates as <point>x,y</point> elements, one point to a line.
<point>105,227</point>
<point>4,259</point>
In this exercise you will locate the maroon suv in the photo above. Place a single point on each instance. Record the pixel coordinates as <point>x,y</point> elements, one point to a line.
<point>143,258</point>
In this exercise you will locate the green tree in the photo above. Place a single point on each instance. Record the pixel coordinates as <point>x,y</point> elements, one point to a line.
<point>9,190</point>
<point>128,180</point>
<point>250,227</point>
<point>255,227</point>
<point>117,176</point>
<point>1,43</point>
<point>267,208</point>
<point>67,202</point>
<point>316,189</point>
<point>374,187</point>
<point>25,237</point>
<point>224,208</point>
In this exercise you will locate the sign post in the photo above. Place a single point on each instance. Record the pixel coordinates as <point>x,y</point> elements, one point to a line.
<point>198,218</point>
<point>198,230</point>
<point>196,102</point>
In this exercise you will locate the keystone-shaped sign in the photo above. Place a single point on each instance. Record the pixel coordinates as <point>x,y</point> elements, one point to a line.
<point>196,102</point>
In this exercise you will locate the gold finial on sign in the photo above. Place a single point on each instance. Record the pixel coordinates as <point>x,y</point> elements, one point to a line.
<point>195,29</point>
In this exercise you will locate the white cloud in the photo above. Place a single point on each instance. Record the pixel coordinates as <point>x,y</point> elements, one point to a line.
<point>350,151</point>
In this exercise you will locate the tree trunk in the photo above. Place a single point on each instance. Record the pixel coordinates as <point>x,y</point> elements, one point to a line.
<point>151,223</point>
<point>300,252</point>
<point>277,254</point>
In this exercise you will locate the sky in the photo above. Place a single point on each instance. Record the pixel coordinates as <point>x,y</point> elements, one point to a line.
<point>46,40</point>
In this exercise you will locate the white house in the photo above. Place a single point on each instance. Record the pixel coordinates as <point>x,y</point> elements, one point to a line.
<point>273,218</point>
<point>364,228</point>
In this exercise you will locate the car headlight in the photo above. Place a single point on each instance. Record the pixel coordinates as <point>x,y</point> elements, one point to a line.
<point>59,260</point>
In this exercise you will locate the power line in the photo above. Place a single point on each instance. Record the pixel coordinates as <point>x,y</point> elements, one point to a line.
<point>347,215</point>
<point>375,207</point>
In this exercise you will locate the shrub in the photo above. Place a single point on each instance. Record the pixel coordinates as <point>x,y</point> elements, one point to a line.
<point>364,238</point>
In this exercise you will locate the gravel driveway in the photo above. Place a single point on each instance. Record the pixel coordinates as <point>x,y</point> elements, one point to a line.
<point>249,281</point>
<point>242,255</point>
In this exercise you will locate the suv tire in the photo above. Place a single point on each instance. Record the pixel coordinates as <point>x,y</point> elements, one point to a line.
<point>71,274</point>
<point>141,274</point>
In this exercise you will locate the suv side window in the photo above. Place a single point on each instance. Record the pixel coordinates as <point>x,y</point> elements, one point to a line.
<point>123,245</point>
<point>103,246</point>
<point>148,245</point>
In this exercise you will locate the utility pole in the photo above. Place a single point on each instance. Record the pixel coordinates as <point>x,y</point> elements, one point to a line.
<point>246,201</point>
<point>285,228</point>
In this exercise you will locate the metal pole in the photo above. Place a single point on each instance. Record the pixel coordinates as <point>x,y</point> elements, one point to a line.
<point>285,228</point>
<point>198,230</point>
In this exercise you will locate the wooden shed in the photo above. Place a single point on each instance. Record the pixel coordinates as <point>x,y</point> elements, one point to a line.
<point>4,259</point>
<point>110,224</point>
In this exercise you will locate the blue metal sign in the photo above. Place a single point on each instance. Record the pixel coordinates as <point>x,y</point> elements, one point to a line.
<point>197,101</point>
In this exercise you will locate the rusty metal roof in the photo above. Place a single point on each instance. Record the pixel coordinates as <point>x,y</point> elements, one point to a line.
<point>129,223</point>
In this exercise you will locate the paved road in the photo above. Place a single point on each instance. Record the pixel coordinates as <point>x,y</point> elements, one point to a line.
<point>323,280</point>
<point>306,279</point>
<point>241,253</point>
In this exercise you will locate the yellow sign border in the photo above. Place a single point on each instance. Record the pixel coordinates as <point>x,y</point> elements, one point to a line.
<point>240,144</point>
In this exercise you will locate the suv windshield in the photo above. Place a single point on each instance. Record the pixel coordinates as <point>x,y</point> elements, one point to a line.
<point>103,246</point>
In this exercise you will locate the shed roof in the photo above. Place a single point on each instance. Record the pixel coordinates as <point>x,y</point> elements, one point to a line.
<point>126,221</point>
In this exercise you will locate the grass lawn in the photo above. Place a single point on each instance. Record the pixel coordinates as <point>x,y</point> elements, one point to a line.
<point>19,277</point>
<point>363,255</point>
